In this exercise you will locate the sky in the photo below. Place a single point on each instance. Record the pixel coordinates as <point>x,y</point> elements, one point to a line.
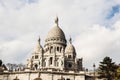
<point>94,26</point>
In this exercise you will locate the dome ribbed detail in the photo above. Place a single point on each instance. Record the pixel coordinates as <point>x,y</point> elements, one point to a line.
<point>56,32</point>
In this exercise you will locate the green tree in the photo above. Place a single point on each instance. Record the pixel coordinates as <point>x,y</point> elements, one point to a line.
<point>118,74</point>
<point>107,69</point>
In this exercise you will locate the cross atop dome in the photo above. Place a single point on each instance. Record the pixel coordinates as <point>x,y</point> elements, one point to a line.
<point>56,20</point>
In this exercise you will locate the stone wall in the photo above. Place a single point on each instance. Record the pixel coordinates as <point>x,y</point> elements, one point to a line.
<point>31,75</point>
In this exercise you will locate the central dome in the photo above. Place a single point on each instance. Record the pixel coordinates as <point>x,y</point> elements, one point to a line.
<point>55,32</point>
<point>55,35</point>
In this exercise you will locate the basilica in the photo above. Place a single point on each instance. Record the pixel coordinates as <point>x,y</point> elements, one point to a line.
<point>57,54</point>
<point>55,60</point>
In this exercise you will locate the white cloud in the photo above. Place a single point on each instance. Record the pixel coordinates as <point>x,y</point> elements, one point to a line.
<point>95,43</point>
<point>22,22</point>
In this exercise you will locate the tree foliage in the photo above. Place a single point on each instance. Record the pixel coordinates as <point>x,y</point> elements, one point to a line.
<point>118,73</point>
<point>108,69</point>
<point>16,67</point>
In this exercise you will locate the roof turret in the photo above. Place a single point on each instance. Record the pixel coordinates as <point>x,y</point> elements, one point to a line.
<point>38,47</point>
<point>70,48</point>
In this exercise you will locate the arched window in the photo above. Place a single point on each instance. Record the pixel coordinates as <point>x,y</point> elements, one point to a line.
<point>51,60</point>
<point>36,66</point>
<point>68,79</point>
<point>16,78</point>
<point>51,49</point>
<point>57,48</point>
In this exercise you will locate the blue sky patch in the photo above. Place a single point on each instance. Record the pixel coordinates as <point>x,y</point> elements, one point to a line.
<point>114,10</point>
<point>32,1</point>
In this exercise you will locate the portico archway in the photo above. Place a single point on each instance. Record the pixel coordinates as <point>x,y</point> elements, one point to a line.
<point>16,78</point>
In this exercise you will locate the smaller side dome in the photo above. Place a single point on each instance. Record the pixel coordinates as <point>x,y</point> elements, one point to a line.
<point>70,48</point>
<point>38,47</point>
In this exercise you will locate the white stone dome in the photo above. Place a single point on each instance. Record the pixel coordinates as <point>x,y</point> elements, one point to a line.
<point>56,35</point>
<point>56,32</point>
<point>70,48</point>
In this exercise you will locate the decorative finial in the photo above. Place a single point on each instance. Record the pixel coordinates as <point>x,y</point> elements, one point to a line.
<point>56,20</point>
<point>70,40</point>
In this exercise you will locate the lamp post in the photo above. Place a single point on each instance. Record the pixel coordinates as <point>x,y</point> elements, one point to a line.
<point>94,71</point>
